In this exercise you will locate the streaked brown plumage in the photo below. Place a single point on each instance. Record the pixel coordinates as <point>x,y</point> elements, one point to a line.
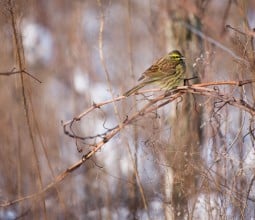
<point>168,72</point>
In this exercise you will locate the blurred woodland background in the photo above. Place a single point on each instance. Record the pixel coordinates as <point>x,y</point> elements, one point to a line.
<point>194,158</point>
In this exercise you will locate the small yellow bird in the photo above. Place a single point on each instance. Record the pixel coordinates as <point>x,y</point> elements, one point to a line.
<point>168,72</point>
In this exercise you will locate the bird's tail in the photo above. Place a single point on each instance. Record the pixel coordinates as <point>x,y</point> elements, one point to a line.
<point>134,89</point>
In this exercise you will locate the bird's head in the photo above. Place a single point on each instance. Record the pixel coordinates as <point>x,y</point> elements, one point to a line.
<point>176,56</point>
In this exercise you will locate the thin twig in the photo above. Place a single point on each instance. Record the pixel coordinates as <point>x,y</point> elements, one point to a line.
<point>214,42</point>
<point>20,71</point>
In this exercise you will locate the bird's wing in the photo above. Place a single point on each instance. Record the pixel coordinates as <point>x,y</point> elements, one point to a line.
<point>160,67</point>
<point>153,70</point>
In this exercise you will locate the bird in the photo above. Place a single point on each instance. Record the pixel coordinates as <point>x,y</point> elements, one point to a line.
<point>168,72</point>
